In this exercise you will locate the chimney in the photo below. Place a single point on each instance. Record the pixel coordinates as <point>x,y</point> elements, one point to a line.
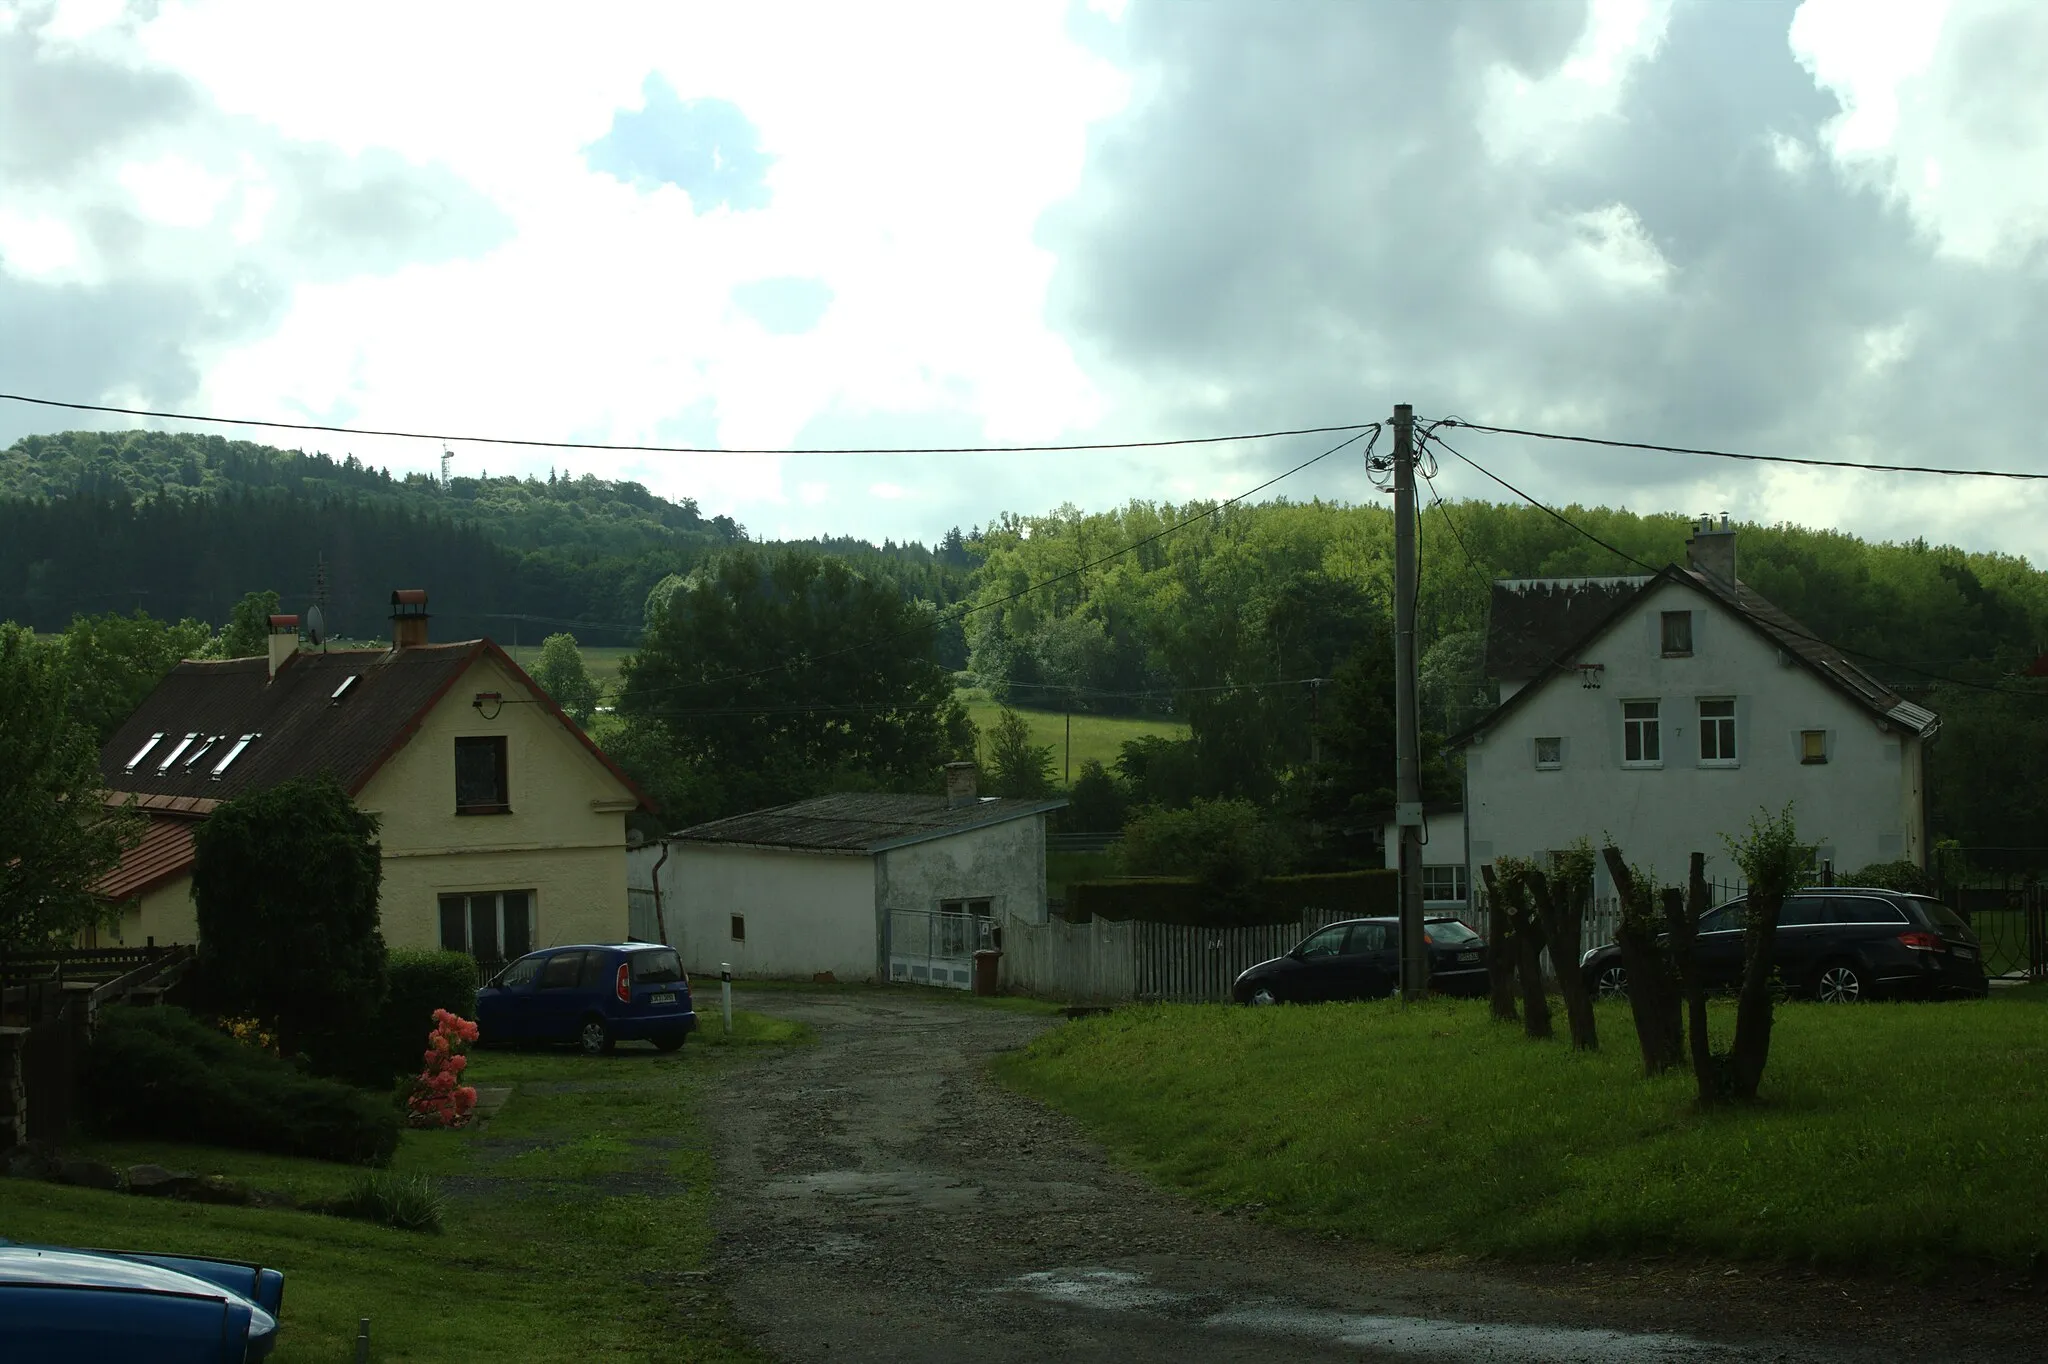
<point>408,617</point>
<point>961,788</point>
<point>1711,549</point>
<point>284,640</point>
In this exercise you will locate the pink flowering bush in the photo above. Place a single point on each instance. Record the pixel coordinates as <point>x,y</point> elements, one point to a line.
<point>439,1098</point>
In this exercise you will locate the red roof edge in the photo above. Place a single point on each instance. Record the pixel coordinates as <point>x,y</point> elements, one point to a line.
<point>574,728</point>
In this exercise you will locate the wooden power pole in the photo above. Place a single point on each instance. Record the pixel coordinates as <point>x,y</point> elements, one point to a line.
<point>1407,735</point>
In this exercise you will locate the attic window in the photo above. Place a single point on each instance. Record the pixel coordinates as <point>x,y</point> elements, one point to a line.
<point>232,754</point>
<point>192,760</point>
<point>1678,634</point>
<point>143,752</point>
<point>343,690</point>
<point>172,756</point>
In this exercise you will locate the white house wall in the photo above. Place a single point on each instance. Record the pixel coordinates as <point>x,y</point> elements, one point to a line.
<point>1003,863</point>
<point>1861,806</point>
<point>805,912</point>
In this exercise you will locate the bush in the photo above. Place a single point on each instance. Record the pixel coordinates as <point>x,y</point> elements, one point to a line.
<point>391,1044</point>
<point>1905,876</point>
<point>1353,894</point>
<point>1275,900</point>
<point>1224,844</point>
<point>407,1202</point>
<point>162,1074</point>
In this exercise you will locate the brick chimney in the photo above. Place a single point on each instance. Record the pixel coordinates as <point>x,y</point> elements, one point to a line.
<point>961,784</point>
<point>408,617</point>
<point>284,640</point>
<point>1711,549</point>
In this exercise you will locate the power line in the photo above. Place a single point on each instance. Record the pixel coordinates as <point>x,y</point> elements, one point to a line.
<point>1371,429</point>
<point>1736,608</point>
<point>682,449</point>
<point>1735,454</point>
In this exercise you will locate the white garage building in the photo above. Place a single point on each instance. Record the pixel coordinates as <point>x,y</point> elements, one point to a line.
<point>865,887</point>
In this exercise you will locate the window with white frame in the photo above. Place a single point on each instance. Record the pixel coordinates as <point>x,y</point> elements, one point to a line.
<point>1640,743</point>
<point>1717,732</point>
<point>1549,754</point>
<point>1444,885</point>
<point>493,925</point>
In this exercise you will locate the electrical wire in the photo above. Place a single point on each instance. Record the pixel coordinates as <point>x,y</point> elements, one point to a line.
<point>1772,626</point>
<point>686,449</point>
<point>1737,454</point>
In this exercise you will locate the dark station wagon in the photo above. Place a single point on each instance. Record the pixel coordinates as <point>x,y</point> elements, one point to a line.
<point>1837,945</point>
<point>594,995</point>
<point>1361,959</point>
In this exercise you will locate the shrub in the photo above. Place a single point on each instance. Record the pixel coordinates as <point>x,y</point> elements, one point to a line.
<point>1275,900</point>
<point>389,1046</point>
<point>161,1073</point>
<point>407,1202</point>
<point>1224,844</point>
<point>1905,876</point>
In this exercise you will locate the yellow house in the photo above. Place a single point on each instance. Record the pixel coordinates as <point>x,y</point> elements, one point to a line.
<point>503,826</point>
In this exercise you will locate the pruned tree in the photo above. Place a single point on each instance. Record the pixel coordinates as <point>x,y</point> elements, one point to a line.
<point>1559,896</point>
<point>1774,861</point>
<point>1509,879</point>
<point>1652,985</point>
<point>1682,914</point>
<point>1501,950</point>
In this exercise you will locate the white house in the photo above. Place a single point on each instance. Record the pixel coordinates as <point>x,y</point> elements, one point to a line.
<point>1664,711</point>
<point>865,887</point>
<point>1446,884</point>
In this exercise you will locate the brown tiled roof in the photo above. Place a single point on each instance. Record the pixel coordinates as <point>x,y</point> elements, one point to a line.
<point>1533,620</point>
<point>863,823</point>
<point>164,854</point>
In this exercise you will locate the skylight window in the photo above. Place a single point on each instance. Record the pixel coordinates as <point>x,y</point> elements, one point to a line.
<point>232,754</point>
<point>143,752</point>
<point>201,751</point>
<point>343,690</point>
<point>172,756</point>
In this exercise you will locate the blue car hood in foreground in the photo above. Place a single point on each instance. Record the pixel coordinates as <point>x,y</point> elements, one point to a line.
<point>56,1302</point>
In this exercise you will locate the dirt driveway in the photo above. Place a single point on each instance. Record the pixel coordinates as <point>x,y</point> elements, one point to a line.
<point>881,1199</point>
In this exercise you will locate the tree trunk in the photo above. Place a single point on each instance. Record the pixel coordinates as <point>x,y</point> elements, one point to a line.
<point>1684,919</point>
<point>1652,1000</point>
<point>1561,930</point>
<point>1752,1046</point>
<point>1529,963</point>
<point>1501,950</point>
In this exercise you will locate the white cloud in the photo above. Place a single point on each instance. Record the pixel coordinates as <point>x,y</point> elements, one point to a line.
<point>39,247</point>
<point>173,190</point>
<point>1522,118</point>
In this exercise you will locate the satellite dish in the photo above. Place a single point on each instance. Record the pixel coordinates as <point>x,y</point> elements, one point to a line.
<point>316,628</point>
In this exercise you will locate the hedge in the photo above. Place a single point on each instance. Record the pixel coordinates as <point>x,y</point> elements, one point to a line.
<point>391,1045</point>
<point>161,1074</point>
<point>1277,899</point>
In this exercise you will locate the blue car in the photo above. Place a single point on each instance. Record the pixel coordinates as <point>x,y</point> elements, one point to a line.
<point>60,1304</point>
<point>594,995</point>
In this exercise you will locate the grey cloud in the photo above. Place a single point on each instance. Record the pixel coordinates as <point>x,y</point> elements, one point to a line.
<point>60,109</point>
<point>1305,219</point>
<point>786,305</point>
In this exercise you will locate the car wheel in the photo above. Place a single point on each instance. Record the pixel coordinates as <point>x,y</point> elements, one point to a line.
<point>1609,982</point>
<point>671,1043</point>
<point>594,1037</point>
<point>1838,982</point>
<point>1263,994</point>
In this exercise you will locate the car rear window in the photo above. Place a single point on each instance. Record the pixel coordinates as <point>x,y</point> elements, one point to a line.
<point>1448,933</point>
<point>1941,916</point>
<point>657,968</point>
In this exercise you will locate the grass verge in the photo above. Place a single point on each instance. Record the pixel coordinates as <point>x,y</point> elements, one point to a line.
<point>572,1227</point>
<point>1895,1136</point>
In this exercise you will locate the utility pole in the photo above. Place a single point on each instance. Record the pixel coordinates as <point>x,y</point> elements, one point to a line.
<point>1407,737</point>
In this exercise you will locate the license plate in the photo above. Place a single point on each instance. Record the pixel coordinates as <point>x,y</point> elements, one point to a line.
<point>1468,956</point>
<point>1966,953</point>
<point>661,999</point>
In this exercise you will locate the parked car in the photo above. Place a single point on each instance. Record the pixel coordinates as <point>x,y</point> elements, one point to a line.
<point>594,995</point>
<point>1361,959</point>
<point>1837,945</point>
<point>61,1304</point>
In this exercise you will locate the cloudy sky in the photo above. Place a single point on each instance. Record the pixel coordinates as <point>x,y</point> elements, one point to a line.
<point>1815,229</point>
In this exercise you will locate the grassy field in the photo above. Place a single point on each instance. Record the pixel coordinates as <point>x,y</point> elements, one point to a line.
<point>1896,1136</point>
<point>574,1225</point>
<point>1094,736</point>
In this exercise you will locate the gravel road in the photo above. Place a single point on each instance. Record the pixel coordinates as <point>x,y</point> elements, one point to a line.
<point>881,1199</point>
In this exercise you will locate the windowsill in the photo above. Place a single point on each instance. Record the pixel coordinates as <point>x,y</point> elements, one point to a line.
<point>1720,762</point>
<point>1813,762</point>
<point>1550,767</point>
<point>1668,654</point>
<point>1642,766</point>
<point>483,809</point>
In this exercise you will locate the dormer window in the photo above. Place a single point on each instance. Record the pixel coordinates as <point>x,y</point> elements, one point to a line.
<point>240,744</point>
<point>192,760</point>
<point>143,752</point>
<point>171,757</point>
<point>343,690</point>
<point>1677,634</point>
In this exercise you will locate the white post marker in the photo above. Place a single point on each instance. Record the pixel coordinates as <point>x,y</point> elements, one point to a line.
<point>725,989</point>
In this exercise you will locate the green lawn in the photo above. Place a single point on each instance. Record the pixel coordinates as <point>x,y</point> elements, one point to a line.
<point>1100,737</point>
<point>1894,1136</point>
<point>574,1223</point>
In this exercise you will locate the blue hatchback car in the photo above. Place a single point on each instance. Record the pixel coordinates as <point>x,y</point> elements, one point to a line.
<point>594,995</point>
<point>58,1305</point>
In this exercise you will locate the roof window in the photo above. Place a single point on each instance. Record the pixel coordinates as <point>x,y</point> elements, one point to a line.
<point>347,683</point>
<point>172,756</point>
<point>232,754</point>
<point>143,752</point>
<point>193,758</point>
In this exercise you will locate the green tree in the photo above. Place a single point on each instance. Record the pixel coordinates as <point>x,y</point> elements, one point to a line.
<point>112,662</point>
<point>769,678</point>
<point>247,632</point>
<point>562,675</point>
<point>57,834</point>
<point>1775,863</point>
<point>1097,802</point>
<point>1227,845</point>
<point>1017,767</point>
<point>285,882</point>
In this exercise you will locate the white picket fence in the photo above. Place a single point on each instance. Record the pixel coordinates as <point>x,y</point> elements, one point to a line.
<point>1100,962</point>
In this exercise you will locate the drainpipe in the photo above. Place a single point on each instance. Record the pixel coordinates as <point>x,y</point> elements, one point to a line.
<point>660,924</point>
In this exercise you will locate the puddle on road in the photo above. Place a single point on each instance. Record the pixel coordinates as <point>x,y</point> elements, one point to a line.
<point>1120,1290</point>
<point>883,1189</point>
